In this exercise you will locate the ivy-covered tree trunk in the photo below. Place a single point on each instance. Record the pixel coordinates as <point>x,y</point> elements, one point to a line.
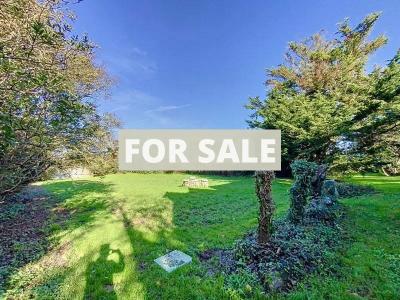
<point>298,200</point>
<point>303,173</point>
<point>318,180</point>
<point>263,183</point>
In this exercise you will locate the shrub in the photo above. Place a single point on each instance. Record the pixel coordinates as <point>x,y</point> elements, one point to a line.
<point>322,210</point>
<point>318,180</point>
<point>306,243</point>
<point>294,251</point>
<point>329,190</point>
<point>303,173</point>
<point>348,190</point>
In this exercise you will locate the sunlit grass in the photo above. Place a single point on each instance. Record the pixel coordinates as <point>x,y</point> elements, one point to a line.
<point>144,216</point>
<point>117,225</point>
<point>371,263</point>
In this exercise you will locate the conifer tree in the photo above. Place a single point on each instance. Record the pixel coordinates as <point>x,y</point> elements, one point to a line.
<point>330,110</point>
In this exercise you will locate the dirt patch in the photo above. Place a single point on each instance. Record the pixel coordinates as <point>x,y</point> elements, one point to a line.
<point>217,260</point>
<point>57,258</point>
<point>23,225</point>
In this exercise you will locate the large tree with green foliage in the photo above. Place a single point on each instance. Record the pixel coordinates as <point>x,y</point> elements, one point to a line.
<point>47,82</point>
<point>330,110</point>
<point>98,151</point>
<point>375,130</point>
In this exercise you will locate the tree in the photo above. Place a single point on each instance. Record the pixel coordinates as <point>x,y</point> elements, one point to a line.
<point>48,80</point>
<point>98,151</point>
<point>375,132</point>
<point>263,184</point>
<point>323,100</point>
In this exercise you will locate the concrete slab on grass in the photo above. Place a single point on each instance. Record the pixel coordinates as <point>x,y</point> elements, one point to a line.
<point>173,260</point>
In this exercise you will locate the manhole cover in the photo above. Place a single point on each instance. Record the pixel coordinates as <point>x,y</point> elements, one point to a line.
<point>173,260</point>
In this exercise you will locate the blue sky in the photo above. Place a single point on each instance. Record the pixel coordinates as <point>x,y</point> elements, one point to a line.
<point>194,63</point>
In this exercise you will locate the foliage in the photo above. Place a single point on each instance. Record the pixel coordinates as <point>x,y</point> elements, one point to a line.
<point>263,184</point>
<point>376,133</point>
<point>329,190</point>
<point>301,190</point>
<point>318,180</point>
<point>12,211</point>
<point>243,283</point>
<point>23,224</point>
<point>328,108</point>
<point>303,244</point>
<point>293,252</point>
<point>312,196</point>
<point>48,79</point>
<point>322,210</point>
<point>348,190</point>
<point>98,152</point>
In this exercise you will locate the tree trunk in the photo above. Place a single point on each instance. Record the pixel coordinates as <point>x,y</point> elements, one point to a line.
<point>318,180</point>
<point>384,172</point>
<point>263,183</point>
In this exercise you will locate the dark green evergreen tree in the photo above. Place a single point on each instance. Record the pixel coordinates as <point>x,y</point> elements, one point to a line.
<point>330,110</point>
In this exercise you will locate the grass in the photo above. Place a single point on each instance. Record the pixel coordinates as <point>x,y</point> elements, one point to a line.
<point>371,264</point>
<point>113,228</point>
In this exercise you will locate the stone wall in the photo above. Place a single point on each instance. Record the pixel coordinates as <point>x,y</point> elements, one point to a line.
<point>193,182</point>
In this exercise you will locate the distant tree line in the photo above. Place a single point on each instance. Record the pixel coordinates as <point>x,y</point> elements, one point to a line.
<point>330,109</point>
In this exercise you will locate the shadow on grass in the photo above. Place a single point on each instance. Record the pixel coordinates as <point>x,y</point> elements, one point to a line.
<point>227,211</point>
<point>203,218</point>
<point>200,219</point>
<point>99,274</point>
<point>142,254</point>
<point>31,219</point>
<point>80,201</point>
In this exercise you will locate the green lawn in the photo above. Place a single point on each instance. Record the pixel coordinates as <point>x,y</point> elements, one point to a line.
<point>113,228</point>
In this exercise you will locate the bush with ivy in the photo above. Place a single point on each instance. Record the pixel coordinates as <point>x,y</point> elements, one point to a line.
<point>293,252</point>
<point>301,190</point>
<point>304,243</point>
<point>301,244</point>
<point>348,190</point>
